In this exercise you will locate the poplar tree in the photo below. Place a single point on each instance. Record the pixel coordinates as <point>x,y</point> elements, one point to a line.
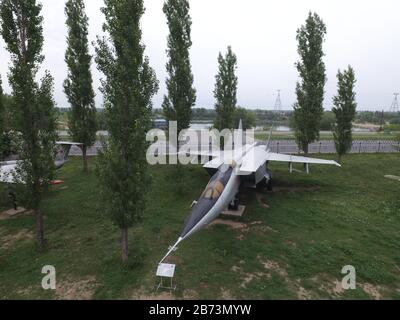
<point>225,91</point>
<point>345,111</point>
<point>5,125</point>
<point>177,105</point>
<point>34,115</point>
<point>128,88</point>
<point>2,122</point>
<point>2,141</point>
<point>78,86</point>
<point>308,109</point>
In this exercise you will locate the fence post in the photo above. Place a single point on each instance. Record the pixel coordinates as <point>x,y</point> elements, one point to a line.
<point>359,149</point>
<point>320,144</point>
<point>398,146</point>
<point>379,147</point>
<point>277,147</point>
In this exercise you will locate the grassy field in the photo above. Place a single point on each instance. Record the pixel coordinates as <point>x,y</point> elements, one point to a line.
<point>291,244</point>
<point>329,136</point>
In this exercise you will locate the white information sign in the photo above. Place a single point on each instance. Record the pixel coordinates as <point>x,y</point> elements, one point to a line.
<point>166,270</point>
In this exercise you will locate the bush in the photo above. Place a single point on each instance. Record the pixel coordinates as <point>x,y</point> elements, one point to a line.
<point>7,147</point>
<point>248,118</point>
<point>395,121</point>
<point>392,127</point>
<point>4,200</point>
<point>101,120</point>
<point>328,120</point>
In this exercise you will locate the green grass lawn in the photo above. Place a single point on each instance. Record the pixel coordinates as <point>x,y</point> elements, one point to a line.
<point>296,248</point>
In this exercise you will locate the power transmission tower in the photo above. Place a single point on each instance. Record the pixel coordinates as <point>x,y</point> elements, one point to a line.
<point>278,102</point>
<point>395,103</point>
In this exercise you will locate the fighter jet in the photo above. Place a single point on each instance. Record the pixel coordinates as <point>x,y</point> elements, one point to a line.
<point>247,165</point>
<point>7,168</point>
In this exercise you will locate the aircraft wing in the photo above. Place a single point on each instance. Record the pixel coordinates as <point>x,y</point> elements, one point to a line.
<point>7,168</point>
<point>214,164</point>
<point>255,159</point>
<point>68,143</point>
<point>204,153</point>
<point>220,157</point>
<point>297,159</point>
<point>6,173</point>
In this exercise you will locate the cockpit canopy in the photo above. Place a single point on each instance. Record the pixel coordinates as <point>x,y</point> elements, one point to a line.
<point>214,190</point>
<point>217,184</point>
<point>209,198</point>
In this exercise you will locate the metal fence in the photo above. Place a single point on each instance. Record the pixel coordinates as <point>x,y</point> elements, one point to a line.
<point>290,147</point>
<point>328,146</point>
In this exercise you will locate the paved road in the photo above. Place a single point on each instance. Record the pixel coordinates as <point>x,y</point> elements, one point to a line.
<point>290,147</point>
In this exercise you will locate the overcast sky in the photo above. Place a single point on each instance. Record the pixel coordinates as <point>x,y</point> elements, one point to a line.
<point>262,33</point>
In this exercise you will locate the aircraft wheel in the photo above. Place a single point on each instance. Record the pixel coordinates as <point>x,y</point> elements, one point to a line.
<point>235,204</point>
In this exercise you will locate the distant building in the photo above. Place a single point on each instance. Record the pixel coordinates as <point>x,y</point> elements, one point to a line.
<point>161,124</point>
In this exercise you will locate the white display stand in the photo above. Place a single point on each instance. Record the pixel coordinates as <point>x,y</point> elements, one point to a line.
<point>234,213</point>
<point>166,270</point>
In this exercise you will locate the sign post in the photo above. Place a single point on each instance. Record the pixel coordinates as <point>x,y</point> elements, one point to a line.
<point>166,270</point>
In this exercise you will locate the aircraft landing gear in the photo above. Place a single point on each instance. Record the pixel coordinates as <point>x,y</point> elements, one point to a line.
<point>234,205</point>
<point>266,183</point>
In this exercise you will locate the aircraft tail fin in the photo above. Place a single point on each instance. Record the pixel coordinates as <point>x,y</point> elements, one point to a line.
<point>240,134</point>
<point>63,149</point>
<point>240,125</point>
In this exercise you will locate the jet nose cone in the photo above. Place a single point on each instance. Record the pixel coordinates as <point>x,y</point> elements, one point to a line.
<point>199,211</point>
<point>207,201</point>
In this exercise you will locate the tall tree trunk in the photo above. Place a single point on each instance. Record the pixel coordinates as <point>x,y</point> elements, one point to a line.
<point>85,159</point>
<point>305,149</point>
<point>179,178</point>
<point>39,230</point>
<point>124,244</point>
